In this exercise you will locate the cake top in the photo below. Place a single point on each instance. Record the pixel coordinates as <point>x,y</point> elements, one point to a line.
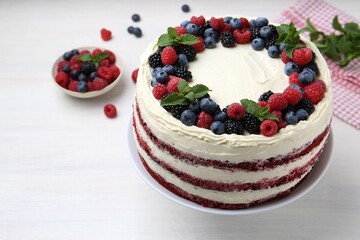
<point>234,76</point>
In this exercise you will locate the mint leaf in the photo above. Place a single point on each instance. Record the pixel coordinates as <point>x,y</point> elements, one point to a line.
<point>200,90</point>
<point>164,40</point>
<point>101,56</point>
<point>182,85</point>
<point>289,35</point>
<point>174,99</point>
<point>190,96</point>
<point>85,58</point>
<point>188,39</point>
<point>260,112</point>
<point>336,25</point>
<point>171,32</point>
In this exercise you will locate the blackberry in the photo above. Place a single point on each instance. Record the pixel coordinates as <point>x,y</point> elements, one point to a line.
<point>272,39</point>
<point>176,110</point>
<point>289,108</point>
<point>265,96</point>
<point>155,60</point>
<point>189,52</point>
<point>251,123</point>
<point>233,127</point>
<point>313,66</point>
<point>306,105</point>
<point>227,39</point>
<point>255,32</point>
<point>87,68</point>
<point>183,73</point>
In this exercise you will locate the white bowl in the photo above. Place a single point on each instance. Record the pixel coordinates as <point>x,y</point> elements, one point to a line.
<point>309,183</point>
<point>119,63</point>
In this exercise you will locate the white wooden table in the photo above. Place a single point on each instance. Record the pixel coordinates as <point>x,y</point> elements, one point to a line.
<point>65,171</point>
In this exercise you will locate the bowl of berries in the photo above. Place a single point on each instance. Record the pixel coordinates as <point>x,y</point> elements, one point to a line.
<point>87,72</point>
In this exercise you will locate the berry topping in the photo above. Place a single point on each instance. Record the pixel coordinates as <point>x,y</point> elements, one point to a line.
<point>99,84</point>
<point>251,123</point>
<point>292,95</point>
<point>155,60</point>
<point>172,84</point>
<point>159,91</point>
<point>183,73</point>
<point>62,79</point>
<point>217,23</point>
<point>290,68</point>
<point>265,96</point>
<point>302,56</point>
<point>168,56</point>
<point>294,79</point>
<point>105,73</point>
<point>277,102</point>
<point>258,44</point>
<point>188,117</point>
<point>73,86</point>
<point>110,110</point>
<point>235,111</point>
<point>285,57</point>
<point>227,39</point>
<point>208,105</point>
<point>274,51</point>
<point>302,114</point>
<point>314,92</point>
<point>217,127</point>
<point>176,110</point>
<point>188,51</point>
<point>199,21</point>
<point>105,34</point>
<point>307,76</point>
<point>233,127</point>
<point>242,36</point>
<point>306,105</point>
<point>204,120</point>
<point>268,128</point>
<point>291,118</point>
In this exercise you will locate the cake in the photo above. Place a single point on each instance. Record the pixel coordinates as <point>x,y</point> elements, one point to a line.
<point>211,148</point>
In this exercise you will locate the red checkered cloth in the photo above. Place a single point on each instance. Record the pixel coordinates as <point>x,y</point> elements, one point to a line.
<point>345,81</point>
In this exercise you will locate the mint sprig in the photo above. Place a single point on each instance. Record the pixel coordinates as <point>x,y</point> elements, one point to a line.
<point>261,113</point>
<point>186,94</point>
<point>96,60</point>
<point>341,46</point>
<point>172,38</point>
<point>289,35</point>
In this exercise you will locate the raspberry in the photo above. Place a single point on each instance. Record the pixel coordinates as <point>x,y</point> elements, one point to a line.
<point>110,110</point>
<point>159,91</point>
<point>105,34</point>
<point>200,21</point>
<point>96,52</point>
<point>61,64</point>
<point>244,22</point>
<point>180,30</point>
<point>277,101</point>
<point>73,86</point>
<point>284,57</point>
<point>200,46</point>
<point>294,79</point>
<point>90,86</point>
<point>104,63</point>
<point>105,73</point>
<point>217,23</point>
<point>278,114</point>
<point>74,59</point>
<point>242,36</point>
<point>134,75</point>
<point>62,79</point>
<point>112,57</point>
<point>302,56</point>
<point>204,120</point>
<point>75,66</point>
<point>235,111</point>
<point>314,92</point>
<point>321,82</point>
<point>262,103</point>
<point>83,52</point>
<point>168,56</point>
<point>282,124</point>
<point>268,128</point>
<point>172,84</point>
<point>226,28</point>
<point>99,84</point>
<point>115,72</point>
<point>292,95</point>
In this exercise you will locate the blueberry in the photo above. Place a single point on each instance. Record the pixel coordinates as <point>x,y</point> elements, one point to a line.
<point>67,56</point>
<point>192,28</point>
<point>185,8</point>
<point>290,68</point>
<point>220,116</point>
<point>295,86</point>
<point>235,23</point>
<point>182,60</point>
<point>265,32</point>
<point>217,127</point>
<point>162,77</point>
<point>82,77</point>
<point>302,114</point>
<point>135,17</point>
<point>75,73</point>
<point>66,69</point>
<point>261,21</point>
<point>75,52</point>
<point>185,23</point>
<point>208,105</point>
<point>252,23</point>
<point>82,87</point>
<point>153,82</point>
<point>195,106</point>
<point>137,32</point>
<point>258,44</point>
<point>158,69</point>
<point>291,118</point>
<point>210,42</point>
<point>282,46</point>
<point>274,51</point>
<point>210,32</point>
<point>188,117</point>
<point>93,75</point>
<point>169,69</point>
<point>227,19</point>
<point>307,76</point>
<point>130,29</point>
